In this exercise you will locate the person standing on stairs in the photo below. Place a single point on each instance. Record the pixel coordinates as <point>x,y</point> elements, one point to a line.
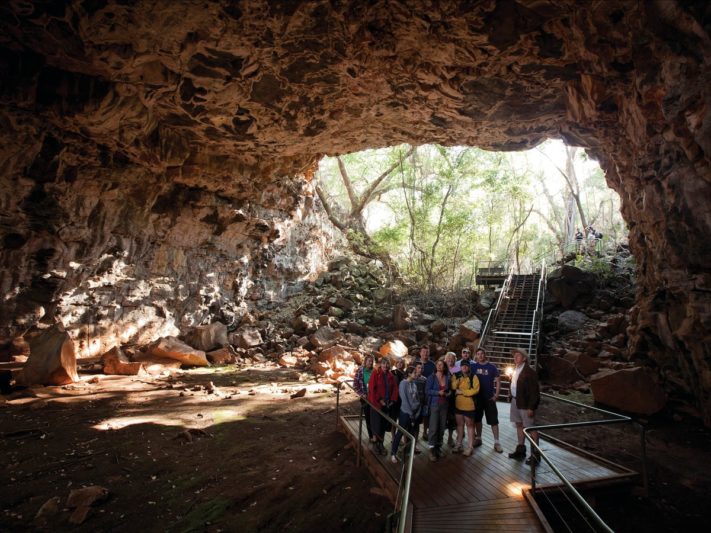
<point>490,386</point>
<point>525,397</point>
<point>382,392</point>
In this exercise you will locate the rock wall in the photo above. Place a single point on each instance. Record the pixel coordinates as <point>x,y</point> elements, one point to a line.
<point>135,135</point>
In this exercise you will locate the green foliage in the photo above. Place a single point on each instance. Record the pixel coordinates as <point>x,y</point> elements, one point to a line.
<point>443,209</point>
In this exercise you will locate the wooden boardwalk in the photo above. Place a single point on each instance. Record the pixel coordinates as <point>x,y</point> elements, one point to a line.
<point>483,492</point>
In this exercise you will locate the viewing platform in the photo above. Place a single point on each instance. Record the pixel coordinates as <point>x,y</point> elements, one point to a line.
<point>487,491</point>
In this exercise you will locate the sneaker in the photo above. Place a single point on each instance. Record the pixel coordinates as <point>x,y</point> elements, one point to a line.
<point>468,452</point>
<point>477,443</point>
<point>498,448</point>
<point>457,449</point>
<point>393,459</point>
<point>433,455</point>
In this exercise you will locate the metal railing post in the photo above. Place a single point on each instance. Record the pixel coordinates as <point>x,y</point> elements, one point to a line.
<point>405,486</point>
<point>360,433</point>
<point>338,402</point>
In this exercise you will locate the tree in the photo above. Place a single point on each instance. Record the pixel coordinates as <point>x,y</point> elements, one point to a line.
<point>350,220</point>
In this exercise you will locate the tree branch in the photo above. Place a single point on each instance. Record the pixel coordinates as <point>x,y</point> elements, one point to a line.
<point>347,183</point>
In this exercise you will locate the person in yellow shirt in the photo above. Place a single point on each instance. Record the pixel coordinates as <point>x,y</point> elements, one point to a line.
<point>465,387</point>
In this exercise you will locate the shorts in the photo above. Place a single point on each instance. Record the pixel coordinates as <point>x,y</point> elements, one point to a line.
<point>488,408</point>
<point>468,414</point>
<point>520,416</point>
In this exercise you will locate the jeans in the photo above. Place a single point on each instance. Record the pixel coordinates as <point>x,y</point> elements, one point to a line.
<point>407,422</point>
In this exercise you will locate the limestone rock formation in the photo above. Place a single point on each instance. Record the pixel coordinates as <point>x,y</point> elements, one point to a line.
<point>156,157</point>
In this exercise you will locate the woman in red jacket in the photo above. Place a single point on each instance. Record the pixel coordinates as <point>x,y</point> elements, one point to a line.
<point>382,393</point>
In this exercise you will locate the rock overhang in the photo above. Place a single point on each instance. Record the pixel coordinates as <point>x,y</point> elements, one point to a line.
<point>213,107</point>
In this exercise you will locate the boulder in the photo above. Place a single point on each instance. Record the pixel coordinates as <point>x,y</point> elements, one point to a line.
<point>335,311</point>
<point>393,349</point>
<point>155,365</point>
<point>223,356</point>
<point>303,324</point>
<point>344,303</point>
<point>247,337</point>
<point>52,359</point>
<point>571,320</point>
<point>117,364</point>
<point>324,337</point>
<point>437,327</point>
<point>207,337</point>
<point>571,286</point>
<point>172,348</point>
<point>560,371</point>
<point>288,359</point>
<point>401,317</point>
<point>337,352</point>
<point>631,390</point>
<point>585,364</point>
<point>487,299</point>
<point>470,329</point>
<point>370,345</point>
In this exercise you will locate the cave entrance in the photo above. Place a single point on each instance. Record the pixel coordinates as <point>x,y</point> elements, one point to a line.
<point>437,214</point>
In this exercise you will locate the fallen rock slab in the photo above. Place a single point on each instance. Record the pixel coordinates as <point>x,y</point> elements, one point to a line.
<point>223,356</point>
<point>47,512</point>
<point>157,365</point>
<point>325,337</point>
<point>117,364</point>
<point>207,337</point>
<point>52,359</point>
<point>631,390</point>
<point>247,337</point>
<point>172,348</point>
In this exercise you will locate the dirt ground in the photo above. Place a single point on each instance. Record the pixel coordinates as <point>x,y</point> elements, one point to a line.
<point>227,449</point>
<point>176,457</point>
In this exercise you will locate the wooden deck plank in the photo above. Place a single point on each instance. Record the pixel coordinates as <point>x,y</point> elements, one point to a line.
<point>483,490</point>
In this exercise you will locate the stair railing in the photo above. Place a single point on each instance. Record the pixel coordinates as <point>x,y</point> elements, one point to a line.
<point>538,313</point>
<point>493,313</point>
<point>598,523</point>
<point>402,500</point>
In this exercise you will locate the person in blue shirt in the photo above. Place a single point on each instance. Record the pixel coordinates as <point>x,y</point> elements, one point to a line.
<point>490,386</point>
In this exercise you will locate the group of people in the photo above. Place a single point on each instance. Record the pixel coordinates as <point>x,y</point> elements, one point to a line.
<point>444,395</point>
<point>591,235</point>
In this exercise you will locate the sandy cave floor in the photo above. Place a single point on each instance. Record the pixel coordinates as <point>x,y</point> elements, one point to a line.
<point>176,457</point>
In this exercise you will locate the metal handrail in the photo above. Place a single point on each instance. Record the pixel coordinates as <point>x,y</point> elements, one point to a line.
<point>618,419</point>
<point>495,310</point>
<point>411,456</point>
<point>537,312</point>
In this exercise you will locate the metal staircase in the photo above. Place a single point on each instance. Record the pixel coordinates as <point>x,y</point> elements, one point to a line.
<point>515,321</point>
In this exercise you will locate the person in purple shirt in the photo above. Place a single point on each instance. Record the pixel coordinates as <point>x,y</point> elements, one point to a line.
<point>490,386</point>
